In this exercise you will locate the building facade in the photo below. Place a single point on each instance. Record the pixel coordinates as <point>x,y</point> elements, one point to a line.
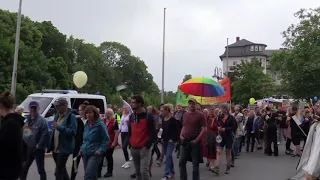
<point>247,50</point>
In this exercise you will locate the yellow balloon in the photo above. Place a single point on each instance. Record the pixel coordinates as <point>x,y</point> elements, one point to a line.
<point>80,79</point>
<point>252,100</point>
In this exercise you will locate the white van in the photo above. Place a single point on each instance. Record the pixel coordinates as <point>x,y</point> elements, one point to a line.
<point>47,97</point>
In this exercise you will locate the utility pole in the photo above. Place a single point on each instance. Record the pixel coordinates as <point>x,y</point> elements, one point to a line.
<point>16,53</point>
<point>163,50</point>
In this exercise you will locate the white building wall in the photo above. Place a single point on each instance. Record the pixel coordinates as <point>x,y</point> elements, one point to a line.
<point>232,61</point>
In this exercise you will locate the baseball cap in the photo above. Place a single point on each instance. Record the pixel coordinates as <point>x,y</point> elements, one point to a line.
<point>192,100</point>
<point>60,101</point>
<point>34,104</point>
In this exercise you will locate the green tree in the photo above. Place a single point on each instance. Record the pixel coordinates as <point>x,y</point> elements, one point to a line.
<point>247,81</point>
<point>186,77</point>
<point>48,60</point>
<point>300,63</point>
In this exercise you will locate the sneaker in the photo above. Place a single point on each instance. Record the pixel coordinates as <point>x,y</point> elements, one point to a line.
<point>133,176</point>
<point>164,178</point>
<point>159,163</point>
<point>288,152</point>
<point>216,170</point>
<point>171,176</point>
<point>108,174</point>
<point>127,165</point>
<point>278,143</point>
<point>124,164</point>
<point>227,170</point>
<point>130,158</point>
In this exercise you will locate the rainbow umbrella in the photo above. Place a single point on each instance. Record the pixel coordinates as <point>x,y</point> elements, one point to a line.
<point>204,87</point>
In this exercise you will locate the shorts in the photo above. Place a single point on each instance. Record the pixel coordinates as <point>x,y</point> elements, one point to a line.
<point>226,142</point>
<point>296,139</point>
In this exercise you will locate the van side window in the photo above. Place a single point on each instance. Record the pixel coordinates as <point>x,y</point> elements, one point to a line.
<point>51,112</point>
<point>75,103</point>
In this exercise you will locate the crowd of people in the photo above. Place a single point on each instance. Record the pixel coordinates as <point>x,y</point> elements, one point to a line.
<point>195,134</point>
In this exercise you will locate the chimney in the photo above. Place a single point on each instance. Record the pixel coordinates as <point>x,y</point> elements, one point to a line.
<point>237,39</point>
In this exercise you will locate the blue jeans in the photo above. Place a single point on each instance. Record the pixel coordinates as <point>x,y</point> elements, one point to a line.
<point>38,155</point>
<point>91,164</point>
<point>169,168</point>
<point>236,145</point>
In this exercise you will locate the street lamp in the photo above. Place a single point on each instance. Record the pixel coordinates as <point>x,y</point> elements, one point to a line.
<point>217,73</point>
<point>16,52</point>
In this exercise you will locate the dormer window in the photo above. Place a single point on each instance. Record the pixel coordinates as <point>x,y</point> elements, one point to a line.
<point>251,48</point>
<point>261,48</point>
<point>256,48</point>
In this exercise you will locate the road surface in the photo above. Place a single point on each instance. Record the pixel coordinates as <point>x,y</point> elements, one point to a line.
<point>249,166</point>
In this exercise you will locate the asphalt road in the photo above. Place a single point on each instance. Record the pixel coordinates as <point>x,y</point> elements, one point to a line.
<point>249,166</point>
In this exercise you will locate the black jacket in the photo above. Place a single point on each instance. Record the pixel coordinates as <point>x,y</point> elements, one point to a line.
<point>13,148</point>
<point>79,136</point>
<point>229,125</point>
<point>249,124</point>
<point>171,131</point>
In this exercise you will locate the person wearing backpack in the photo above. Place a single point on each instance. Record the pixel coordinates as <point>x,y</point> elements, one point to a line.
<point>62,141</point>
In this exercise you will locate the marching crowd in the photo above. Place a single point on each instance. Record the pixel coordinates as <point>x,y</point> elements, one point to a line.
<point>195,134</point>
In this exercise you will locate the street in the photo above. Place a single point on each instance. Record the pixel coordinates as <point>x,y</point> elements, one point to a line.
<point>249,166</point>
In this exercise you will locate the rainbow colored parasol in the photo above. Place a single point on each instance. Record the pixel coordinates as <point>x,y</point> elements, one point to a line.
<point>204,87</point>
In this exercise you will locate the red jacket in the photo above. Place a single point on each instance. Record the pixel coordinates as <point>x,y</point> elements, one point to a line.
<point>110,130</point>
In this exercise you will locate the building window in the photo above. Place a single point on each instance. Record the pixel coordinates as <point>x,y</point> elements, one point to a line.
<point>234,63</point>
<point>256,48</point>
<point>268,63</point>
<point>260,48</point>
<point>251,48</point>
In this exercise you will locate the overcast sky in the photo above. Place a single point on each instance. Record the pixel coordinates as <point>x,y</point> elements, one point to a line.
<point>196,30</point>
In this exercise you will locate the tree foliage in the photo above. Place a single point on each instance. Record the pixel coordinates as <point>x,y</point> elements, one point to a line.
<point>248,80</point>
<point>48,59</point>
<point>300,63</point>
<point>186,77</point>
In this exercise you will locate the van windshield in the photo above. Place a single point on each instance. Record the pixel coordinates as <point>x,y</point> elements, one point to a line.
<point>44,102</point>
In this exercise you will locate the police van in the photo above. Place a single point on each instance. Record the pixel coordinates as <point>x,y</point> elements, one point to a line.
<point>47,97</point>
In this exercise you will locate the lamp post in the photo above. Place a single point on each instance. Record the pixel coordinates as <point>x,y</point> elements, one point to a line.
<point>227,72</point>
<point>16,52</point>
<point>163,50</point>
<point>217,73</point>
